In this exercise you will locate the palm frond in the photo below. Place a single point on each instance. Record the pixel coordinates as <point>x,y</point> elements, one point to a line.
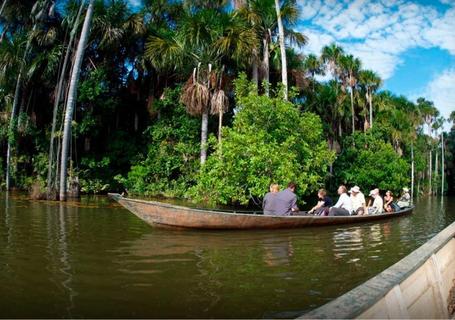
<point>219,102</point>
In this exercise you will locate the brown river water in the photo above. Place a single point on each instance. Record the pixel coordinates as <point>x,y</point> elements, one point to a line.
<point>94,259</point>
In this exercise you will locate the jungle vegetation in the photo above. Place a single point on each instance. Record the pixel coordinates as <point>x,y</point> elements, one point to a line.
<point>207,100</point>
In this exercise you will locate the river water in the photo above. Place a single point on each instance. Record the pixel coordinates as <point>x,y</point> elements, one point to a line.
<point>94,259</point>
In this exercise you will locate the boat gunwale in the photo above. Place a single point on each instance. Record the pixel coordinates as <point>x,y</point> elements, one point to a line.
<point>117,197</point>
<point>367,294</point>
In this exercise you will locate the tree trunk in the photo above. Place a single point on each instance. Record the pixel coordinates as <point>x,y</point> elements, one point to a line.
<point>220,127</point>
<point>72,100</point>
<point>436,172</point>
<point>265,65</point>
<point>370,100</point>
<point>352,109</point>
<point>255,73</point>
<point>442,164</point>
<point>3,7</point>
<point>430,173</point>
<point>412,172</point>
<point>58,98</point>
<point>284,67</point>
<point>204,132</point>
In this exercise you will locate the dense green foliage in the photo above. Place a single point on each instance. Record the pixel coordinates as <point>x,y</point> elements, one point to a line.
<point>370,162</point>
<point>270,141</point>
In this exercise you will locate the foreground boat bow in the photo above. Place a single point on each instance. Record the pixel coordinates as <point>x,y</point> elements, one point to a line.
<point>168,215</point>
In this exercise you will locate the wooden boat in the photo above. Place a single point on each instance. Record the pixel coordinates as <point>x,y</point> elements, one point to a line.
<point>420,286</point>
<point>168,215</point>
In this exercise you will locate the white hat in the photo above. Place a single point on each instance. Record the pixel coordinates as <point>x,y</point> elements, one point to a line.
<point>355,189</point>
<point>374,192</point>
<point>406,189</point>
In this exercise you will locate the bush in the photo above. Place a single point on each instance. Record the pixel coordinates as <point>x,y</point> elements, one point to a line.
<point>369,162</point>
<point>270,141</point>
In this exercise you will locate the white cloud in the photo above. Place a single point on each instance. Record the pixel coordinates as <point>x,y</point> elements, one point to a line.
<point>378,31</point>
<point>441,90</point>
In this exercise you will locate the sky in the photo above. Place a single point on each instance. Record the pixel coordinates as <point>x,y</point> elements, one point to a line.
<point>409,43</point>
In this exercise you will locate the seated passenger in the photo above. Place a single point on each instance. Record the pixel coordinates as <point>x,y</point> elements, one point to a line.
<point>378,203</point>
<point>323,205</point>
<point>285,202</point>
<point>388,202</point>
<point>405,199</point>
<point>269,199</point>
<point>343,207</point>
<point>358,201</point>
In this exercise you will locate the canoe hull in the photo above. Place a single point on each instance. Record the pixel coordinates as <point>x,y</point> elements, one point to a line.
<point>167,215</point>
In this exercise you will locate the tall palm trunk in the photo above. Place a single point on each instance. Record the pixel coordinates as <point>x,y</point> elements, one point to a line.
<point>442,164</point>
<point>58,98</point>
<point>204,131</point>
<point>370,101</point>
<point>72,99</point>
<point>352,109</point>
<point>284,67</point>
<point>430,171</point>
<point>265,64</point>
<point>436,171</point>
<point>3,7</point>
<point>255,73</point>
<point>412,171</point>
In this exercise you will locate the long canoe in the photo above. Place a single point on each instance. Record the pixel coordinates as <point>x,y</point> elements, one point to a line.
<point>168,215</point>
<point>420,286</point>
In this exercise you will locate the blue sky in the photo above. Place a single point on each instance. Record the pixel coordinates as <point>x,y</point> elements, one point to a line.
<point>410,43</point>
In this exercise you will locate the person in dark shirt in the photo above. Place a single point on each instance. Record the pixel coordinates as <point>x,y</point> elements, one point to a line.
<point>323,205</point>
<point>268,203</point>
<point>285,203</point>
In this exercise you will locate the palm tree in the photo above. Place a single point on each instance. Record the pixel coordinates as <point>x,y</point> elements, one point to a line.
<point>58,98</point>
<point>370,81</point>
<point>350,67</point>
<point>76,69</point>
<point>36,16</point>
<point>262,17</point>
<point>437,125</point>
<point>429,113</point>
<point>331,55</point>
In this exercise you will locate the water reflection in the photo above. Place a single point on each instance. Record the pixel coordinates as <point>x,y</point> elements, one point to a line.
<point>94,259</point>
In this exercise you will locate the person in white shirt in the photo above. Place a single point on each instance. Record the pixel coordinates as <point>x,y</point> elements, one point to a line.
<point>378,203</point>
<point>358,201</point>
<point>343,207</point>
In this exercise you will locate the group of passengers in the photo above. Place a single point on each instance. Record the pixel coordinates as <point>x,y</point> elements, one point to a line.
<point>285,202</point>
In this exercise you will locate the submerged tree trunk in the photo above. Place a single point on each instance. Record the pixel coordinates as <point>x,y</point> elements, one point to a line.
<point>58,96</point>
<point>284,67</point>
<point>72,99</point>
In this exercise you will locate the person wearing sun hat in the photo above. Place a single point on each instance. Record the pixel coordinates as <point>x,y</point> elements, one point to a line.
<point>358,201</point>
<point>405,199</point>
<point>378,203</point>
